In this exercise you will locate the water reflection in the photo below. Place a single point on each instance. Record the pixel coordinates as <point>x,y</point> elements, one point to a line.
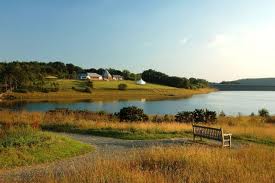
<point>231,102</point>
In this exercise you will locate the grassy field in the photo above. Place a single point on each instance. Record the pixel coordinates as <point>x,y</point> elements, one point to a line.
<point>108,90</point>
<point>245,129</point>
<point>252,158</point>
<point>190,164</point>
<point>20,146</point>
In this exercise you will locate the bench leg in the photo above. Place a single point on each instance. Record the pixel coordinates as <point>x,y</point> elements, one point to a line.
<point>230,141</point>
<point>194,138</point>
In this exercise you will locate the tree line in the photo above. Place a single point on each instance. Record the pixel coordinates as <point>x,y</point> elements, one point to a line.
<point>32,75</point>
<point>156,77</point>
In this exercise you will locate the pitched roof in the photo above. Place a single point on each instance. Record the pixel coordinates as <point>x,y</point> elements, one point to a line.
<point>106,74</point>
<point>94,75</point>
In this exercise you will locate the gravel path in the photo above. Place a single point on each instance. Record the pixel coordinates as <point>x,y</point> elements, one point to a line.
<point>104,147</point>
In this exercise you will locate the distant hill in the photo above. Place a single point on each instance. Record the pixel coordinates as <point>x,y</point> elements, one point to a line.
<point>253,84</point>
<point>256,81</point>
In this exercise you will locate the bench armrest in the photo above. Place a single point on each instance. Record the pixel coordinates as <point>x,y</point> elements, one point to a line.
<point>227,134</point>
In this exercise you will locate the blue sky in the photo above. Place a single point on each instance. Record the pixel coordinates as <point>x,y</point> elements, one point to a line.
<point>212,39</point>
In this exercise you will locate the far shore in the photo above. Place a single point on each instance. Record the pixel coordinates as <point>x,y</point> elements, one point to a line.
<point>104,91</point>
<point>105,95</point>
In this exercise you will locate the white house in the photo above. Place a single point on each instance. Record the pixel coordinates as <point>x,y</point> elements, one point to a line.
<point>94,76</point>
<point>117,77</point>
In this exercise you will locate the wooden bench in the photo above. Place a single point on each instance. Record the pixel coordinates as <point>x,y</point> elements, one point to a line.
<point>212,133</point>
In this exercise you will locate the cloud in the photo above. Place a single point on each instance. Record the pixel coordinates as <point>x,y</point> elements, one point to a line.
<point>184,41</point>
<point>219,40</point>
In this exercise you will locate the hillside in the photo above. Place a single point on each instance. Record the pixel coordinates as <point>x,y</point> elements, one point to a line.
<point>257,81</point>
<point>252,84</point>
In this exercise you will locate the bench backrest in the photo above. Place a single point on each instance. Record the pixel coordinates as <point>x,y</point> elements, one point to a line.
<point>208,132</point>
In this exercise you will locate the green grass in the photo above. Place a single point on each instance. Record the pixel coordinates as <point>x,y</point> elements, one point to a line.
<point>113,85</point>
<point>108,90</point>
<point>66,84</point>
<point>129,134</point>
<point>254,139</point>
<point>26,146</point>
<point>108,85</point>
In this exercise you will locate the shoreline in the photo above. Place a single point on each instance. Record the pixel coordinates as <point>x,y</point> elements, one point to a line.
<point>105,95</point>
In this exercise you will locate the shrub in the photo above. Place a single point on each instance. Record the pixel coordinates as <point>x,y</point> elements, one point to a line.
<point>122,86</point>
<point>21,90</point>
<point>132,114</point>
<point>185,116</point>
<point>210,116</point>
<point>222,114</point>
<point>90,84</point>
<point>88,90</point>
<point>198,115</point>
<point>263,113</point>
<point>162,118</point>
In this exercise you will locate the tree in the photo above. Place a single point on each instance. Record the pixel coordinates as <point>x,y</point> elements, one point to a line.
<point>263,113</point>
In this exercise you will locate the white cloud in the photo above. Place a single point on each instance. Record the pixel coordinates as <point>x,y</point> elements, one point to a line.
<point>219,40</point>
<point>184,41</point>
<point>246,53</point>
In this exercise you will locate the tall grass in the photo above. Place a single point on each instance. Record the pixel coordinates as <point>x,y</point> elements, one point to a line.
<point>251,164</point>
<point>246,128</point>
<point>21,146</point>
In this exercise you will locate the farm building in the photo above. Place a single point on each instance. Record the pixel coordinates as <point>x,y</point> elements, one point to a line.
<point>94,76</point>
<point>83,76</point>
<point>106,75</point>
<point>117,77</point>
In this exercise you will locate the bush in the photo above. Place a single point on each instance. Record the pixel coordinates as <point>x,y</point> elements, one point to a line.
<point>185,116</point>
<point>263,113</point>
<point>132,114</point>
<point>161,118</point>
<point>80,89</point>
<point>122,86</point>
<point>198,115</point>
<point>88,90</point>
<point>222,114</point>
<point>21,90</point>
<point>90,84</point>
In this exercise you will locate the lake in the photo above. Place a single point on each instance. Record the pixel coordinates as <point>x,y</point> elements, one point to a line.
<point>231,102</point>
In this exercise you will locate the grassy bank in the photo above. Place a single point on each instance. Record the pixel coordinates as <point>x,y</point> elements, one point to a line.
<point>20,146</point>
<point>178,164</point>
<point>245,129</point>
<point>108,90</point>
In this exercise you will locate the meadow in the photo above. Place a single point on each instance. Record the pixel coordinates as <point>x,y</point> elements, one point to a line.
<point>244,128</point>
<point>108,90</point>
<point>252,158</point>
<point>192,164</point>
<point>21,146</point>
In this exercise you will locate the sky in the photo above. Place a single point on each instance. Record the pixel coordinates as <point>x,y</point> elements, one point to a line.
<point>212,39</point>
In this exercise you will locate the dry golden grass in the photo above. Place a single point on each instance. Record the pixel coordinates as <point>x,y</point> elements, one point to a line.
<point>251,164</point>
<point>243,128</point>
<point>193,163</point>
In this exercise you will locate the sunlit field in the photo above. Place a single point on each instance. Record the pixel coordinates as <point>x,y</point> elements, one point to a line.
<point>108,90</point>
<point>192,164</point>
<point>244,128</point>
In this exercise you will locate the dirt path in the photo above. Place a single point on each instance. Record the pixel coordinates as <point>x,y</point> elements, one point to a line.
<point>104,147</point>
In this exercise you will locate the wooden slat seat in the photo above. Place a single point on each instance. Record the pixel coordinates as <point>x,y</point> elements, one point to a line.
<point>212,133</point>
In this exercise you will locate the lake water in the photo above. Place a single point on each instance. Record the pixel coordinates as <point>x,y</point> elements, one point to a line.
<point>231,102</point>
